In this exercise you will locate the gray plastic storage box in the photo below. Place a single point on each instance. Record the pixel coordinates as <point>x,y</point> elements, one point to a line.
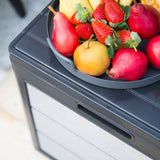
<point>71,119</point>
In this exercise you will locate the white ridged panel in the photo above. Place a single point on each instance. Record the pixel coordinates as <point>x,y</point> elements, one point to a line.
<point>68,139</point>
<point>55,150</point>
<point>82,127</point>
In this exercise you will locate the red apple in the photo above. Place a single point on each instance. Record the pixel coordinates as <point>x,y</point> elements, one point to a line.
<point>153,51</point>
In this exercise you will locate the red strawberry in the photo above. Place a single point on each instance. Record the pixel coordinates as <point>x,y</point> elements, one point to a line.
<point>84,30</point>
<point>130,39</point>
<point>99,13</point>
<point>125,35</point>
<point>105,1</point>
<point>73,19</point>
<point>113,12</point>
<point>101,30</point>
<point>81,15</point>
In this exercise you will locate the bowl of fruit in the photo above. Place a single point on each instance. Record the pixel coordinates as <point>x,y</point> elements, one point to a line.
<point>107,43</point>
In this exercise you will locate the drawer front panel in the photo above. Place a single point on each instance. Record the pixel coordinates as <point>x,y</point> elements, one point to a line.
<point>54,149</point>
<point>67,138</point>
<point>81,126</point>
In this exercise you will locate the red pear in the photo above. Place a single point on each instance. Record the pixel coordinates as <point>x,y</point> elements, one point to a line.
<point>153,51</point>
<point>152,9</point>
<point>128,65</point>
<point>143,21</point>
<point>64,37</point>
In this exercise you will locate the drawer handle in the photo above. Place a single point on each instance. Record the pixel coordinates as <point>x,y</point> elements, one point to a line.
<point>104,122</point>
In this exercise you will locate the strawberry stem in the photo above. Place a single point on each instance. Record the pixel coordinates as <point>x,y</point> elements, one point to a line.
<point>114,32</point>
<point>51,9</point>
<point>116,44</point>
<point>90,40</point>
<point>135,48</point>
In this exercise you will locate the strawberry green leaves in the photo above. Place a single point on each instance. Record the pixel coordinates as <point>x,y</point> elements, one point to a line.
<point>112,44</point>
<point>127,10</point>
<point>119,26</point>
<point>103,20</point>
<point>82,14</point>
<point>133,42</point>
<point>110,52</point>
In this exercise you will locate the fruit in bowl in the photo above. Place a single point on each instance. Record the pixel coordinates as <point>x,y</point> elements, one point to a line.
<point>91,58</point>
<point>64,37</point>
<point>118,27</point>
<point>128,65</point>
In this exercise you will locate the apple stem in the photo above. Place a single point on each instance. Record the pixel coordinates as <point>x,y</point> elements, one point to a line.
<point>90,40</point>
<point>108,73</point>
<point>51,9</point>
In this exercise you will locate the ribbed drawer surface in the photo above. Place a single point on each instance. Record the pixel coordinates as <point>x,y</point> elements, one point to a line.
<point>68,139</point>
<point>52,118</point>
<point>55,149</point>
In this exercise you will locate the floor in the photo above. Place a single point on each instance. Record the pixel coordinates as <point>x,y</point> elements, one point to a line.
<point>15,137</point>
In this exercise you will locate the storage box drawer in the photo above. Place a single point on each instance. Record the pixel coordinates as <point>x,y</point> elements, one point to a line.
<point>54,149</point>
<point>68,139</point>
<point>77,125</point>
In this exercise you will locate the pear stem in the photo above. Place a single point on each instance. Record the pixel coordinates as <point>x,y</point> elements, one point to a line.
<point>89,40</point>
<point>51,9</point>
<point>135,2</point>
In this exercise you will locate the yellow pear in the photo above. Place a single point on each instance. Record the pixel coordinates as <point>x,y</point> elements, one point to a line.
<point>91,58</point>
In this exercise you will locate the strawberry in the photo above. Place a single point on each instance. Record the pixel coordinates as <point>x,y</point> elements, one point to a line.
<point>73,19</point>
<point>113,12</point>
<point>130,39</point>
<point>81,15</point>
<point>84,30</point>
<point>125,35</point>
<point>99,14</point>
<point>101,30</point>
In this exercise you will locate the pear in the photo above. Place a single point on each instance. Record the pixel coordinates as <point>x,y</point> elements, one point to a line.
<point>143,21</point>
<point>128,65</point>
<point>64,37</point>
<point>91,58</point>
<point>153,10</point>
